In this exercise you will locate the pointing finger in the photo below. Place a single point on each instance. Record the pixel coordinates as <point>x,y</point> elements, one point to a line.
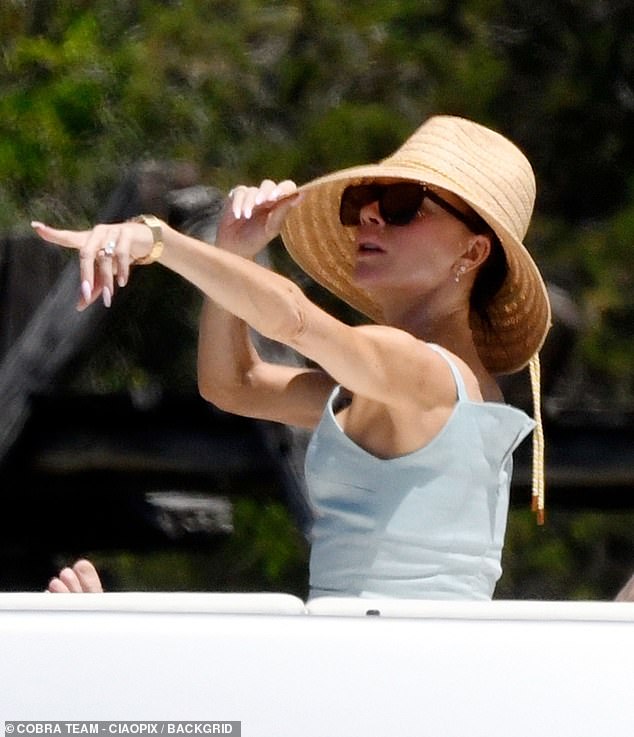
<point>67,238</point>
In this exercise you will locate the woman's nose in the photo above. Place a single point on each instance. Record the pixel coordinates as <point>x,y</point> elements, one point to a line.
<point>370,214</point>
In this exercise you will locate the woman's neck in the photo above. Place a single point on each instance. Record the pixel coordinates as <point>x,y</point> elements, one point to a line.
<point>446,324</point>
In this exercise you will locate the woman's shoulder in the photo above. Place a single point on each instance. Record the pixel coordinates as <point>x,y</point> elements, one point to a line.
<point>472,380</point>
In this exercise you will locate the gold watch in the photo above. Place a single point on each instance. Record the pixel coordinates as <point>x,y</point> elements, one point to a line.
<point>154,224</point>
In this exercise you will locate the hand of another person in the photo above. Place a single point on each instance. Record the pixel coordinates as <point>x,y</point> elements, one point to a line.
<point>105,252</point>
<point>82,578</point>
<point>254,216</point>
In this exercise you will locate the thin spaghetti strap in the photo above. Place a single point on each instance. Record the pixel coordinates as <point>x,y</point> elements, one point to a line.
<point>461,389</point>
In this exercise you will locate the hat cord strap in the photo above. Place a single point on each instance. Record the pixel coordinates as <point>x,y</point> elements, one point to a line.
<point>537,503</point>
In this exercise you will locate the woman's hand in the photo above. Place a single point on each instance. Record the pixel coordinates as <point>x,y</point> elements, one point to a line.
<point>254,216</point>
<point>82,578</point>
<point>106,252</point>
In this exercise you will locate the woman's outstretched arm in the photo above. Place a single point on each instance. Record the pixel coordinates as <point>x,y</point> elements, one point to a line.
<point>377,362</point>
<point>231,374</point>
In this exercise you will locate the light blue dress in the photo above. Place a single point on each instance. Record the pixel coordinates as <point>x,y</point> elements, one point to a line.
<point>426,525</point>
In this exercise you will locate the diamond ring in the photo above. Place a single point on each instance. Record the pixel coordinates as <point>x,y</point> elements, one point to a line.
<point>109,248</point>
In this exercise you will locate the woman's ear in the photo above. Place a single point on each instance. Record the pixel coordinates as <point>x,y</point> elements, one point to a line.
<point>476,252</point>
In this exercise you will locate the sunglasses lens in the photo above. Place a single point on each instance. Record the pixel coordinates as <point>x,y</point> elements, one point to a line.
<point>353,199</point>
<point>399,203</point>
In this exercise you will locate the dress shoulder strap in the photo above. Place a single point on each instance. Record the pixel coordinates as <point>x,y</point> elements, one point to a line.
<point>461,389</point>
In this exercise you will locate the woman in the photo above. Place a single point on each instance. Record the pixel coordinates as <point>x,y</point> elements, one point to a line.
<point>409,466</point>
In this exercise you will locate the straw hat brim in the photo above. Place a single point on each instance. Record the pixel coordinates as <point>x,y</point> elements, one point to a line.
<point>519,314</point>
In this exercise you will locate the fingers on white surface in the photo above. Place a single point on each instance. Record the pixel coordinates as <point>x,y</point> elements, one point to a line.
<point>87,576</point>
<point>69,578</point>
<point>55,586</point>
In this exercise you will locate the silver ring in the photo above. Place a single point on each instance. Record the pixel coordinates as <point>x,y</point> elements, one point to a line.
<point>109,248</point>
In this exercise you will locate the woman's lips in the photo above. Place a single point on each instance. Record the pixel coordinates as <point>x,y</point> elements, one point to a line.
<point>369,248</point>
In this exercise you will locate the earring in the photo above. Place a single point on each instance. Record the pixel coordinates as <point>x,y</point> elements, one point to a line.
<point>459,272</point>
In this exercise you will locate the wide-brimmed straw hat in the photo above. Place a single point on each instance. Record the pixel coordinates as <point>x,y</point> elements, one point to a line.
<point>485,170</point>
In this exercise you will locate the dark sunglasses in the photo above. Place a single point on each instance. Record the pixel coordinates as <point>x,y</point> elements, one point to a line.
<point>399,204</point>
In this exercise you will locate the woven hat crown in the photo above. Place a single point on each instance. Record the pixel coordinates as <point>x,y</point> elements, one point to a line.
<point>477,164</point>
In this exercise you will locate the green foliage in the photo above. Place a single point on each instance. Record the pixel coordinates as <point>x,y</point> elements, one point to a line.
<point>577,555</point>
<point>266,546</point>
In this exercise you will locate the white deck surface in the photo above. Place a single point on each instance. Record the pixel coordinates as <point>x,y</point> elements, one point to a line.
<point>429,669</point>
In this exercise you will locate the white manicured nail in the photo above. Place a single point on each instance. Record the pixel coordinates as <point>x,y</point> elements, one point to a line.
<point>86,290</point>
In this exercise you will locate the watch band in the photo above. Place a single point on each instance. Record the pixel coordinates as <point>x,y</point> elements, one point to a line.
<point>154,224</point>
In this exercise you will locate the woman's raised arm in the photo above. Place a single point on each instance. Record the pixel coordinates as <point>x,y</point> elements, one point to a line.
<point>382,364</point>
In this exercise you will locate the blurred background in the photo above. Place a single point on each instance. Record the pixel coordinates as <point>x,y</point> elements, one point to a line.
<point>109,108</point>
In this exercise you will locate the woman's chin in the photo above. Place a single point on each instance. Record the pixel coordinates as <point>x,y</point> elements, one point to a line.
<point>366,277</point>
